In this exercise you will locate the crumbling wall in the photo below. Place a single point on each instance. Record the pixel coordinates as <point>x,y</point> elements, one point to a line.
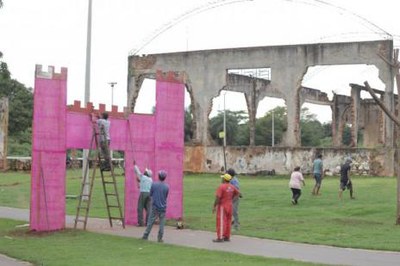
<point>279,160</point>
<point>206,72</point>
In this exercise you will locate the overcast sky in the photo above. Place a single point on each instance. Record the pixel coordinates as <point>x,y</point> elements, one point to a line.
<point>53,32</point>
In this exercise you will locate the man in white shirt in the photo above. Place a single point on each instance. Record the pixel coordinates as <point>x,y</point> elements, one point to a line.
<point>104,136</point>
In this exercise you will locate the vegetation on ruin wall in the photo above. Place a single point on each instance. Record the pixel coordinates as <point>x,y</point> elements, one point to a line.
<point>313,132</point>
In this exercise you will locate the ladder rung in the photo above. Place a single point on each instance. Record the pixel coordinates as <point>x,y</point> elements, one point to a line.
<point>116,218</point>
<point>99,161</point>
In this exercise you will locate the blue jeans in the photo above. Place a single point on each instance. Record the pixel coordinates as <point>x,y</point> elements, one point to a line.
<point>318,179</point>
<point>154,213</point>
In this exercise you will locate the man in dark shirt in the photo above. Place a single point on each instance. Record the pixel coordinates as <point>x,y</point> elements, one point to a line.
<point>345,181</point>
<point>159,194</point>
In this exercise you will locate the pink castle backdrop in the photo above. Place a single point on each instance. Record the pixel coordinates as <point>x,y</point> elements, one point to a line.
<point>155,141</point>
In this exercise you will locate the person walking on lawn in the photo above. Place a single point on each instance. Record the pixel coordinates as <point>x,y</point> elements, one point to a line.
<point>318,172</point>
<point>345,181</point>
<point>224,195</point>
<point>296,180</point>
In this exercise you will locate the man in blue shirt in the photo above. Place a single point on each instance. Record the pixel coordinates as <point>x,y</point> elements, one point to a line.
<point>144,201</point>
<point>235,202</point>
<point>159,194</point>
<point>318,171</point>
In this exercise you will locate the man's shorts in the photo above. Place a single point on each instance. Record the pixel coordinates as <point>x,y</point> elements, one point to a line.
<point>318,178</point>
<point>344,185</point>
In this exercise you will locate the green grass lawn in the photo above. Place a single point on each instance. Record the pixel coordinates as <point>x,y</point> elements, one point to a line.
<point>76,247</point>
<point>266,210</point>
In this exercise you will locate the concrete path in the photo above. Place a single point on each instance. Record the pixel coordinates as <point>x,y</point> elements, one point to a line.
<point>238,244</point>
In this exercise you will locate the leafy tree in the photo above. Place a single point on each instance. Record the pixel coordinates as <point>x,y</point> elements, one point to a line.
<point>242,138</point>
<point>20,104</point>
<point>20,101</point>
<point>312,131</point>
<point>20,144</point>
<point>188,124</point>
<point>264,126</point>
<point>327,129</point>
<point>346,140</point>
<point>233,119</point>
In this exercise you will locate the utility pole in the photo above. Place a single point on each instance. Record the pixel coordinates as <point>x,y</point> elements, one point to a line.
<point>112,84</point>
<point>273,128</point>
<point>224,149</point>
<point>85,156</point>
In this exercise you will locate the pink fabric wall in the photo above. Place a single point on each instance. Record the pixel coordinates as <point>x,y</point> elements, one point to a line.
<point>154,141</point>
<point>140,147</point>
<point>169,139</point>
<point>47,210</point>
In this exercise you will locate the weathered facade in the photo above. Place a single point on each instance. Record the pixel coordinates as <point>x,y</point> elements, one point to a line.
<point>262,160</point>
<point>206,73</point>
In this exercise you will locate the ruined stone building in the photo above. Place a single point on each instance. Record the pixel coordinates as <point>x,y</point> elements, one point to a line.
<point>207,72</point>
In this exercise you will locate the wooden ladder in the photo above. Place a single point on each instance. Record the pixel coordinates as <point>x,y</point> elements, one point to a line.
<point>113,204</point>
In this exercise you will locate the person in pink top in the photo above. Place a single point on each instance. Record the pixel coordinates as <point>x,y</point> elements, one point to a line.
<point>295,184</point>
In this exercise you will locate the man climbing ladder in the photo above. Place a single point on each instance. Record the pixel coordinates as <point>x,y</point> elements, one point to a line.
<point>100,143</point>
<point>104,136</point>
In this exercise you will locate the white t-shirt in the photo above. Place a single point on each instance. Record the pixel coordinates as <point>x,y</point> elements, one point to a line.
<point>296,179</point>
<point>106,125</point>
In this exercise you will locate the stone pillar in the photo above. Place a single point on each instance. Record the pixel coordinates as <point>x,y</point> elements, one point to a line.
<point>3,132</point>
<point>292,136</point>
<point>252,103</point>
<point>355,107</point>
<point>341,105</point>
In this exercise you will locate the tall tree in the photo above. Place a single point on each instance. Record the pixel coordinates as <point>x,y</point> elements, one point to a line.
<point>312,131</point>
<point>188,124</point>
<point>233,119</point>
<point>20,105</point>
<point>264,126</point>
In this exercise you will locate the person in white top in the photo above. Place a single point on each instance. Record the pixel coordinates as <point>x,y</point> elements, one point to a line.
<point>295,184</point>
<point>104,136</point>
